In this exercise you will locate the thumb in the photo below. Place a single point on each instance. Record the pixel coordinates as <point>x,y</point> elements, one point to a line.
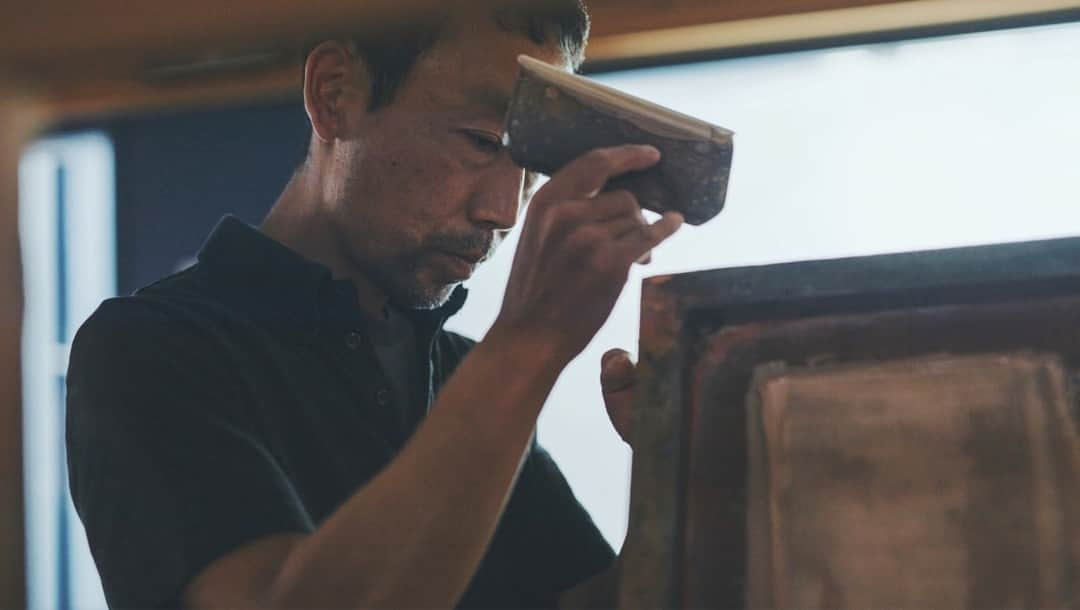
<point>617,379</point>
<point>617,372</point>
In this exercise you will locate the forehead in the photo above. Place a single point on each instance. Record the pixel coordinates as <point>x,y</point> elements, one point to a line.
<point>474,65</point>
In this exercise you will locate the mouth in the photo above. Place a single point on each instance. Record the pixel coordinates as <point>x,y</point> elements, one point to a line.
<point>458,265</point>
<point>473,258</point>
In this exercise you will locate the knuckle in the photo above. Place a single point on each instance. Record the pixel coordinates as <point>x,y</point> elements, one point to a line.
<point>627,201</point>
<point>580,181</point>
<point>620,202</point>
<point>598,260</point>
<point>603,159</point>
<point>607,261</point>
<point>602,155</point>
<point>650,233</point>
<point>541,201</point>
<point>559,229</point>
<point>588,236</point>
<point>569,214</point>
<point>618,196</point>
<point>547,224</point>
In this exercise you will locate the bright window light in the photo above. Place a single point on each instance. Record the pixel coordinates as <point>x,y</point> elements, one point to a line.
<point>67,228</point>
<point>879,148</point>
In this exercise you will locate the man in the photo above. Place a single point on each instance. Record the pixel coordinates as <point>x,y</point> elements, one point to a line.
<point>255,432</point>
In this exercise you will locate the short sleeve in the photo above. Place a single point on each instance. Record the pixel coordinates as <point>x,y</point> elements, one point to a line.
<point>546,543</point>
<point>568,547</point>
<point>166,473</point>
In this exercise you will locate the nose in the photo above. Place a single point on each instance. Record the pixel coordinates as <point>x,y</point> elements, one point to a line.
<point>497,198</point>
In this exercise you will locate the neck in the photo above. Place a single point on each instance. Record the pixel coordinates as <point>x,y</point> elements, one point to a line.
<point>298,221</point>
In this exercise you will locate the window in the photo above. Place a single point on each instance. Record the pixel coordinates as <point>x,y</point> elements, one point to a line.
<point>66,208</point>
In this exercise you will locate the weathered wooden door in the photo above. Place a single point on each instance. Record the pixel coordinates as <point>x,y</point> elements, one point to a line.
<point>892,431</point>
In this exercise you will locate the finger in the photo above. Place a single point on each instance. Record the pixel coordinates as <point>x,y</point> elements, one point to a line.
<point>618,227</point>
<point>613,205</point>
<point>618,378</point>
<point>616,213</point>
<point>617,372</point>
<point>624,226</point>
<point>638,243</point>
<point>587,175</point>
<point>636,224</point>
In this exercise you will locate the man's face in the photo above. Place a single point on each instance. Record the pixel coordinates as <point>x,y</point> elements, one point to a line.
<point>421,190</point>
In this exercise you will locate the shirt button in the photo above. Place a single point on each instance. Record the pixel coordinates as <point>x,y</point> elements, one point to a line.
<point>382,397</point>
<point>352,340</point>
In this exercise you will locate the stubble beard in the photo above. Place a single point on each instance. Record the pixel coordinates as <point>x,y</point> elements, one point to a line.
<point>405,283</point>
<point>405,288</point>
<point>407,279</point>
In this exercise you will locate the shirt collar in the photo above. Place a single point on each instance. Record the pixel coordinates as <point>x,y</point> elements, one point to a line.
<point>273,283</point>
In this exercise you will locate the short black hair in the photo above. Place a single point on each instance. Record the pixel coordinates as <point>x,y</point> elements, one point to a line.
<point>390,56</point>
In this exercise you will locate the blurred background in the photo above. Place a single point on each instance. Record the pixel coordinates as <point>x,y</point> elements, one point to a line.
<point>853,143</point>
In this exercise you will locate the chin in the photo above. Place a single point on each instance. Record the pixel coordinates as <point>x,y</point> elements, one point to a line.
<point>422,297</point>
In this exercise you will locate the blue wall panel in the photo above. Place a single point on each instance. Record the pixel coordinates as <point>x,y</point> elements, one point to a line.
<point>178,174</point>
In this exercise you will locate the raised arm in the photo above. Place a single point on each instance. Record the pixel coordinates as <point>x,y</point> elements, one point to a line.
<point>414,536</point>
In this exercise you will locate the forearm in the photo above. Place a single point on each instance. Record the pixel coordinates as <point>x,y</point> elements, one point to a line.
<point>414,536</point>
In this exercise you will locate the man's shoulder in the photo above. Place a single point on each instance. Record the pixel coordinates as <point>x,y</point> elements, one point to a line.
<point>189,285</point>
<point>135,354</point>
<point>172,313</point>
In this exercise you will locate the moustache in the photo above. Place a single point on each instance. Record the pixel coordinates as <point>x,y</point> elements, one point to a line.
<point>472,245</point>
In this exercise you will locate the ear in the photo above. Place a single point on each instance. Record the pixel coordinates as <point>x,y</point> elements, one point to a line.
<point>336,83</point>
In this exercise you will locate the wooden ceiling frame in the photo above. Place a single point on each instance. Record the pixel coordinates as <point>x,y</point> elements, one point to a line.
<point>215,68</point>
<point>86,60</point>
<point>822,27</point>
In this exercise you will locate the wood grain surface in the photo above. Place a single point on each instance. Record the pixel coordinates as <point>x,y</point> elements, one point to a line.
<point>703,335</point>
<point>922,483</point>
<point>79,72</point>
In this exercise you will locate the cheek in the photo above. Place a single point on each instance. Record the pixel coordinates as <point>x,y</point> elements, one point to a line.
<point>431,186</point>
<point>409,185</point>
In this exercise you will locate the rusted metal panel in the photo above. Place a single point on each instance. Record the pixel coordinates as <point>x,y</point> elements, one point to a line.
<point>649,565</point>
<point>941,481</point>
<point>704,333</point>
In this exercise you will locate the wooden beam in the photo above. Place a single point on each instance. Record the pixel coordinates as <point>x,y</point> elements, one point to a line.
<point>621,17</point>
<point>51,42</point>
<point>104,99</point>
<point>92,39</point>
<point>49,36</point>
<point>16,125</point>
<point>623,30</point>
<point>808,26</point>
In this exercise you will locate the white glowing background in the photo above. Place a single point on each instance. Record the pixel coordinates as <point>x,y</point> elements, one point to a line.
<point>880,148</point>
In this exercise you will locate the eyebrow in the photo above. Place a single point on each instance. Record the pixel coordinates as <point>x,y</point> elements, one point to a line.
<point>494,101</point>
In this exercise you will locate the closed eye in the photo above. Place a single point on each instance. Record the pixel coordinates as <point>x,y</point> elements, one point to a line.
<point>484,142</point>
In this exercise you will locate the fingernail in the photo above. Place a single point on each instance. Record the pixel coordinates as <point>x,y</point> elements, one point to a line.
<point>651,151</point>
<point>609,357</point>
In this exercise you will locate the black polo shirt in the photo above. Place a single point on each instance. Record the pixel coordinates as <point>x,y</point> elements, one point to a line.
<point>245,397</point>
